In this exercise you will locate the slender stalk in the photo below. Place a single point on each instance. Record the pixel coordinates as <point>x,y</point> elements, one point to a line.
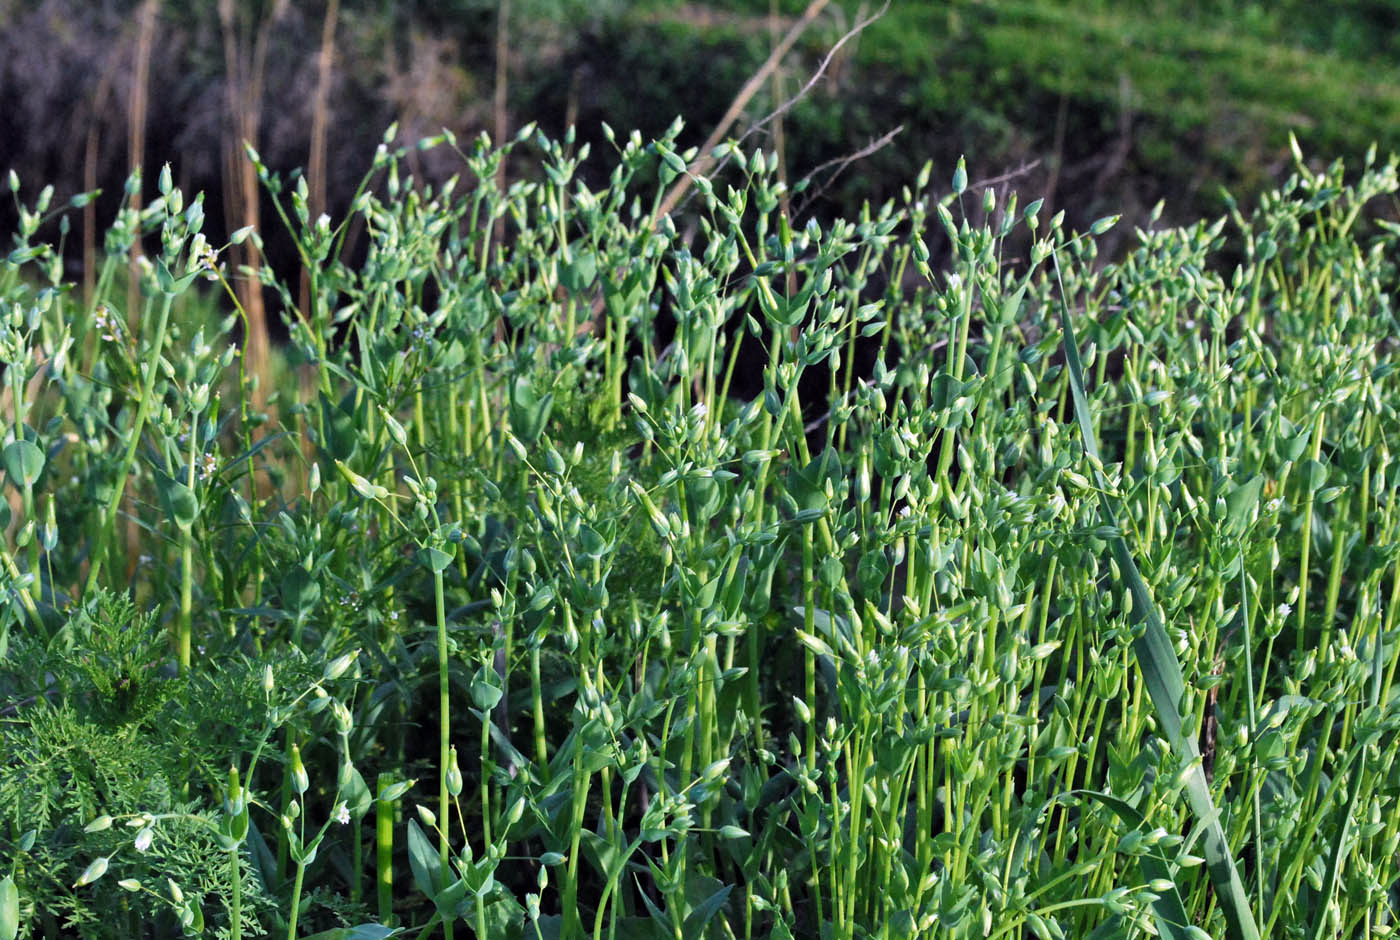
<point>1305,540</point>
<point>384,851</point>
<point>143,409</point>
<point>187,564</point>
<point>296,901</point>
<point>444,730</point>
<point>235,909</point>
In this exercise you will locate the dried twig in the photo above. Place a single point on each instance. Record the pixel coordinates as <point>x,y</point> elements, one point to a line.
<point>1006,177</point>
<point>706,161</point>
<point>840,163</point>
<point>788,105</point>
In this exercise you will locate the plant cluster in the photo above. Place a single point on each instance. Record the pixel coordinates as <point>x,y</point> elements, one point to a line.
<point>704,576</point>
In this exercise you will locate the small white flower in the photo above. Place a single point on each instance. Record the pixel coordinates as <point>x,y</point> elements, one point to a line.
<point>1284,610</point>
<point>1273,505</point>
<point>342,814</point>
<point>143,839</point>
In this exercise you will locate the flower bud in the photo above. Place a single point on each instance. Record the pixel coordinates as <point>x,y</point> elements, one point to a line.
<point>343,721</point>
<point>454,774</point>
<point>300,782</point>
<point>235,792</point>
<point>336,668</point>
<point>516,811</point>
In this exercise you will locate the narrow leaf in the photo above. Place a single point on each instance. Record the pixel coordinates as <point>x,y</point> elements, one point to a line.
<point>1156,658</point>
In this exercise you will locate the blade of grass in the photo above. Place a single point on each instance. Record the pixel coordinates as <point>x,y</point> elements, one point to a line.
<point>1168,910</point>
<point>1156,659</point>
<point>1256,821</point>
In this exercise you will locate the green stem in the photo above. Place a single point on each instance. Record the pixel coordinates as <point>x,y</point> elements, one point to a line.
<point>182,647</point>
<point>384,850</point>
<point>1307,540</point>
<point>444,729</point>
<point>235,911</point>
<point>296,901</point>
<point>143,409</point>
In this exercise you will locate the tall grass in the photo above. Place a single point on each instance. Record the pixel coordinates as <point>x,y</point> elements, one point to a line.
<point>861,579</point>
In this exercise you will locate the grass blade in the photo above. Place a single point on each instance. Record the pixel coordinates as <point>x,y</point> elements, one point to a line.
<point>1161,672</point>
<point>1168,910</point>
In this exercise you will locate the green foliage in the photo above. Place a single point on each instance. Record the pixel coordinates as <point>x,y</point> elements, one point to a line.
<point>711,574</point>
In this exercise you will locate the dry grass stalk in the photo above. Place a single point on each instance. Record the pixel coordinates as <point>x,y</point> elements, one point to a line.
<point>245,60</point>
<point>136,152</point>
<point>136,142</point>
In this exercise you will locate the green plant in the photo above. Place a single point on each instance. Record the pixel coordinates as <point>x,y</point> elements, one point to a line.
<point>757,579</point>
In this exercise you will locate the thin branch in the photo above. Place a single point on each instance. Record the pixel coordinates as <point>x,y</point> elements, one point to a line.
<point>1006,177</point>
<point>707,163</point>
<point>840,163</point>
<point>788,105</point>
<point>736,107</point>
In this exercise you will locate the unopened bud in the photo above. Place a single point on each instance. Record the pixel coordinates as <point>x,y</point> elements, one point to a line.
<point>454,774</point>
<point>300,782</point>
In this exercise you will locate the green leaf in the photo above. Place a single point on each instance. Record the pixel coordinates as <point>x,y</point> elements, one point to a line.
<point>424,860</point>
<point>579,274</point>
<point>434,559</point>
<point>9,909</point>
<point>486,688</point>
<point>807,486</point>
<point>608,857</point>
<point>184,506</point>
<point>24,461</point>
<point>451,901</point>
<point>300,591</point>
<point>1239,502</point>
<point>504,917</point>
<point>529,411</point>
<point>354,790</point>
<point>1156,658</point>
<point>696,920</point>
<point>342,423</point>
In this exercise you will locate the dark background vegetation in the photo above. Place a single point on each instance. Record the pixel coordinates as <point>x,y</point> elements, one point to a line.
<point>1099,106</point>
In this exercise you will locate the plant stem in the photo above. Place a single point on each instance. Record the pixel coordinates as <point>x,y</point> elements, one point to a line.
<point>444,730</point>
<point>296,901</point>
<point>384,850</point>
<point>143,408</point>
